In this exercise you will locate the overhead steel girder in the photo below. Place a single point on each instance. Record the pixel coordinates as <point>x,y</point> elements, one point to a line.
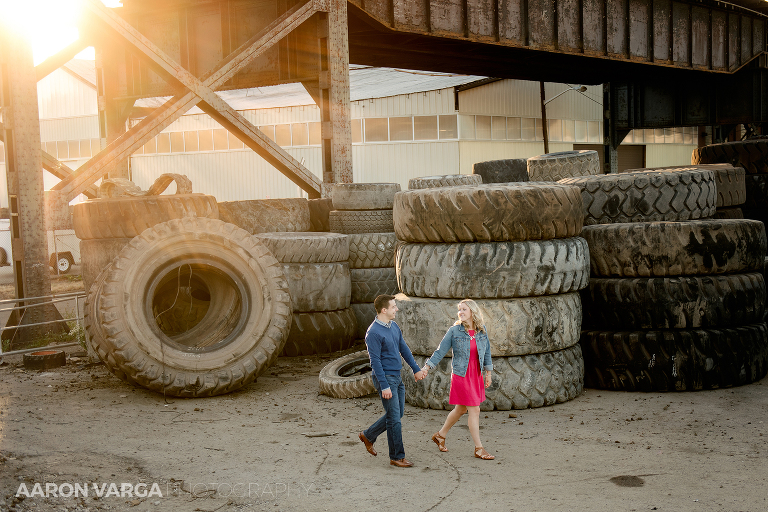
<point>695,35</point>
<point>197,90</point>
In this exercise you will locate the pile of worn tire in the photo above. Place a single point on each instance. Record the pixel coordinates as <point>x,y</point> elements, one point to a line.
<point>363,211</point>
<point>676,301</point>
<point>515,249</point>
<point>548,167</point>
<point>188,305</point>
<point>752,156</point>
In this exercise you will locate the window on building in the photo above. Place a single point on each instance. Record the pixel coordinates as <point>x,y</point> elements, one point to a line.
<point>205,140</point>
<point>539,129</point>
<point>425,128</point>
<point>569,130</point>
<point>400,128</point>
<point>357,130</point>
<point>85,148</point>
<point>555,130</point>
<point>315,134</point>
<point>581,131</point>
<point>300,134</point>
<point>283,135</point>
<point>51,149</point>
<point>528,130</point>
<point>269,131</point>
<point>74,148</point>
<point>95,146</point>
<point>139,151</point>
<point>177,142</point>
<point>62,149</point>
<point>514,130</point>
<point>190,142</point>
<point>448,126</point>
<point>688,135</point>
<point>150,148</point>
<point>483,127</point>
<point>498,128</point>
<point>595,133</point>
<point>376,130</point>
<point>234,142</point>
<point>163,142</point>
<point>658,135</point>
<point>678,135</point>
<point>466,127</point>
<point>220,142</point>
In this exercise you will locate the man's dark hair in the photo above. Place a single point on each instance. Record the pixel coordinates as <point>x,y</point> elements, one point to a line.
<point>382,302</point>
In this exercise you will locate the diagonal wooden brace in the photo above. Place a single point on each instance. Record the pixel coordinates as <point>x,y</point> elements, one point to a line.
<point>182,102</point>
<point>55,167</point>
<point>175,107</point>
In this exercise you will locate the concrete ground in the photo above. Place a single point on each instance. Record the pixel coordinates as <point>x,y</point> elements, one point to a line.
<point>279,446</point>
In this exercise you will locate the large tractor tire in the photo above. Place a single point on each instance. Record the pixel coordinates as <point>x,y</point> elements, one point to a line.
<point>369,283</point>
<point>448,180</point>
<point>363,196</point>
<point>306,247</point>
<point>96,255</point>
<point>752,155</point>
<point>319,286</point>
<point>565,164</point>
<point>321,332</point>
<point>243,330</point>
<point>267,215</point>
<point>365,221</point>
<point>502,171</point>
<point>372,250</point>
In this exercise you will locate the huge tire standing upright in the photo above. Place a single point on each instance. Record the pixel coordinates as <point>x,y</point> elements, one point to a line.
<point>514,249</point>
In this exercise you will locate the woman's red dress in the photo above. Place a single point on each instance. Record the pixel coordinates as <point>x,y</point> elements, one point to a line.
<point>470,389</point>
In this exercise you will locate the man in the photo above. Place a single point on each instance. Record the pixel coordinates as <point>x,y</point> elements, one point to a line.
<point>385,346</point>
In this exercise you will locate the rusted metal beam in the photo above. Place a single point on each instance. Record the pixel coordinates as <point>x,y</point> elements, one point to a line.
<point>65,55</point>
<point>178,105</point>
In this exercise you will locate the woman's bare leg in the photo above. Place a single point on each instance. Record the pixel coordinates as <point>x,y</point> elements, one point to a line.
<point>474,424</point>
<point>452,418</point>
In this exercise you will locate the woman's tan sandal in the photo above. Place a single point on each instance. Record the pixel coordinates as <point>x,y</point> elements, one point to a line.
<point>439,441</point>
<point>480,453</point>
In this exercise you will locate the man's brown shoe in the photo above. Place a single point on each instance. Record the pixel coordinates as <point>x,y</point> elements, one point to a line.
<point>401,463</point>
<point>367,443</point>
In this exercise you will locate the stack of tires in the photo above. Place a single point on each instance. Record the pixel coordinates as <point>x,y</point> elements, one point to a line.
<point>675,301</point>
<point>752,156</point>
<point>317,269</point>
<point>514,249</point>
<point>363,211</point>
<point>565,164</point>
<point>502,171</point>
<point>445,180</point>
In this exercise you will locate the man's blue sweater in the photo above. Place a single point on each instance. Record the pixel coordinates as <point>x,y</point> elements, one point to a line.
<point>385,346</point>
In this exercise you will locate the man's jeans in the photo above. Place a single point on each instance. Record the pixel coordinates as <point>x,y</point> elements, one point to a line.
<point>393,411</point>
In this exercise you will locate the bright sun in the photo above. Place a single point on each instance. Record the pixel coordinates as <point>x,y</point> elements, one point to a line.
<point>50,25</point>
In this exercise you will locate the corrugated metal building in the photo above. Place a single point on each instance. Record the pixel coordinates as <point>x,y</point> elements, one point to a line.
<point>405,124</point>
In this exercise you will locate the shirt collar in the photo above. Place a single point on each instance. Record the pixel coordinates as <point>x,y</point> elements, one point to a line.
<point>387,325</point>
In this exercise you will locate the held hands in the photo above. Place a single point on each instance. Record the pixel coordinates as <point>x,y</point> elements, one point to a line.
<point>419,375</point>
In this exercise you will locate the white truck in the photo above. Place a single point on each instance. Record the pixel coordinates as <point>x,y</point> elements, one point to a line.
<point>63,246</point>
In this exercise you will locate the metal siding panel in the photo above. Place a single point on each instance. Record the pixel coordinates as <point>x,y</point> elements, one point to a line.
<point>62,95</point>
<point>662,155</point>
<point>399,162</point>
<point>73,128</point>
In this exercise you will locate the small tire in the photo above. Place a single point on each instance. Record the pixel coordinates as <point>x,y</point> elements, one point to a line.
<point>565,164</point>
<point>675,360</point>
<point>306,247</point>
<point>267,215</point>
<point>372,250</point>
<point>44,359</point>
<point>63,264</point>
<point>519,382</point>
<point>488,213</point>
<point>347,377</point>
<point>647,196</point>
<point>321,332</point>
<point>448,180</point>
<point>364,221</point>
<point>369,283</point>
<point>502,171</point>
<point>363,196</point>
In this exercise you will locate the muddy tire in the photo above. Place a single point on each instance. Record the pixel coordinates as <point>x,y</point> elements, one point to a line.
<point>488,213</point>
<point>493,270</point>
<point>240,340</point>
<point>321,332</point>
<point>369,283</point>
<point>348,376</point>
<point>502,171</point>
<point>96,255</point>
<point>363,196</point>
<point>752,155</point>
<point>306,247</point>
<point>448,180</point>
<point>519,382</point>
<point>565,164</point>
<point>647,196</point>
<point>685,302</point>
<point>318,286</point>
<point>676,360</point>
<point>126,217</point>
<point>364,313</point>
<point>728,213</point>
<point>516,327</point>
<point>354,222</point>
<point>267,215</point>
<point>318,214</point>
<point>675,248</point>
<point>731,188</point>
<point>372,250</point>
<point>44,359</point>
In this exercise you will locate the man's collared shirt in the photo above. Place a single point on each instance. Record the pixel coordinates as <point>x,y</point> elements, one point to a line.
<point>387,325</point>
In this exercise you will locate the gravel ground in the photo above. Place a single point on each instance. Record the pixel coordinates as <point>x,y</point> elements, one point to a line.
<point>279,446</point>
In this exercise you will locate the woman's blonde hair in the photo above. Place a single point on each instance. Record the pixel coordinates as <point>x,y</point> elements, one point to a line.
<point>477,315</point>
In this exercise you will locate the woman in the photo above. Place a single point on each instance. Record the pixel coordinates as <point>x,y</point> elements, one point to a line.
<point>471,351</point>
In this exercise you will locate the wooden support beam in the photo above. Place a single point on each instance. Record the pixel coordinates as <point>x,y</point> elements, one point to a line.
<point>54,62</point>
<point>179,104</point>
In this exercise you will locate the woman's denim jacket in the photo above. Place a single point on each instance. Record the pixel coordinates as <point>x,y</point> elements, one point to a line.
<point>457,339</point>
